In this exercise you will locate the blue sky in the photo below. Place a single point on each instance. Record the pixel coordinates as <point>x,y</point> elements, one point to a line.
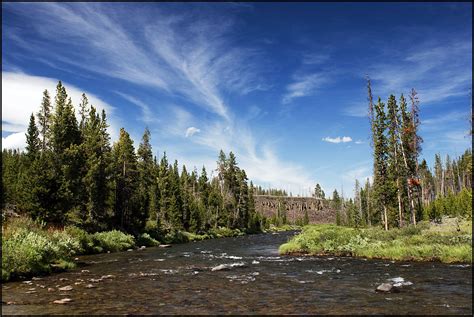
<point>279,84</point>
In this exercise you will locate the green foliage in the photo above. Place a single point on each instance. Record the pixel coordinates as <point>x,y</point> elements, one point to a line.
<point>146,240</point>
<point>71,178</point>
<point>29,248</point>
<point>451,205</point>
<point>425,242</point>
<point>112,241</point>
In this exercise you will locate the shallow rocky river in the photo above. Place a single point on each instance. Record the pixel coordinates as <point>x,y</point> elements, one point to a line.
<point>243,275</point>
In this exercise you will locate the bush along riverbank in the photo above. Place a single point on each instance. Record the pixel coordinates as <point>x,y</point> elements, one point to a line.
<point>449,241</point>
<point>30,248</point>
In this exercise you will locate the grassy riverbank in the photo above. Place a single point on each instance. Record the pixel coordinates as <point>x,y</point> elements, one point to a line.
<point>30,248</point>
<point>450,241</point>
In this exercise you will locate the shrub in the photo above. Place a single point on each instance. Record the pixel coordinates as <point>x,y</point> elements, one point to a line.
<point>146,240</point>
<point>112,241</point>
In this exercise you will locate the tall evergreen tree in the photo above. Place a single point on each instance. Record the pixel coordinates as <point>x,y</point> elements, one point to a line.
<point>127,212</point>
<point>45,120</point>
<point>32,139</point>
<point>381,189</point>
<point>145,172</point>
<point>396,169</point>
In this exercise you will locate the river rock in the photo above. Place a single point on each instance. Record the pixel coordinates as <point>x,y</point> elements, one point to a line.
<point>85,271</point>
<point>90,286</point>
<point>95,280</point>
<point>386,287</point>
<point>36,278</point>
<point>66,288</point>
<point>129,250</point>
<point>227,266</point>
<point>142,247</point>
<point>62,301</point>
<point>62,279</point>
<point>50,289</point>
<point>103,277</point>
<point>165,245</point>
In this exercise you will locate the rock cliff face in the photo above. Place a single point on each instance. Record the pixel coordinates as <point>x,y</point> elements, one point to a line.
<point>319,210</point>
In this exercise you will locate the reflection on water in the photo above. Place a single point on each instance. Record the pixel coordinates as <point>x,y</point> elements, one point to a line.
<point>251,278</point>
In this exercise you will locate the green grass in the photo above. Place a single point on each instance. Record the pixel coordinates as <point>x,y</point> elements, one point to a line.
<point>285,227</point>
<point>425,242</point>
<point>29,248</point>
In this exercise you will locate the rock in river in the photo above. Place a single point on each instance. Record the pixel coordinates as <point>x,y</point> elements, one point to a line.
<point>386,287</point>
<point>227,266</point>
<point>66,288</point>
<point>62,301</point>
<point>165,245</point>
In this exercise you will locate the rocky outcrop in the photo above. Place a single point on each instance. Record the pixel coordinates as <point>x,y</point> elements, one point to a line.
<point>318,210</point>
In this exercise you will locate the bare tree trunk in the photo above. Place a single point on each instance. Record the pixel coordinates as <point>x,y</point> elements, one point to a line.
<point>442,183</point>
<point>368,207</point>
<point>385,216</point>
<point>400,215</point>
<point>412,204</point>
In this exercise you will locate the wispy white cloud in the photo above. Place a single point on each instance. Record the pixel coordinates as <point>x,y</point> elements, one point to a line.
<point>436,70</point>
<point>315,58</point>
<point>440,121</point>
<point>192,131</point>
<point>338,139</point>
<point>195,60</point>
<point>359,110</point>
<point>147,114</point>
<point>304,86</point>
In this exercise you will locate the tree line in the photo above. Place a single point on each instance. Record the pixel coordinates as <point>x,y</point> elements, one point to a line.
<point>404,190</point>
<point>70,174</point>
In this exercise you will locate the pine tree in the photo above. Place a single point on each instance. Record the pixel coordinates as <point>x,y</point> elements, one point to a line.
<point>145,172</point>
<point>381,189</point>
<point>396,170</point>
<point>83,111</point>
<point>98,164</point>
<point>127,212</point>
<point>45,121</point>
<point>32,140</point>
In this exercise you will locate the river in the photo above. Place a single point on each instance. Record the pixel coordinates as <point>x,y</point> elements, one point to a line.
<point>179,280</point>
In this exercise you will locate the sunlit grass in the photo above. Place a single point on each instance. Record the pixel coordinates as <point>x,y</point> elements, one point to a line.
<point>449,242</point>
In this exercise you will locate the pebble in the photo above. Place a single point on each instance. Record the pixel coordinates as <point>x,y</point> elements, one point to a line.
<point>103,277</point>
<point>85,271</point>
<point>62,279</point>
<point>165,245</point>
<point>90,286</point>
<point>62,301</point>
<point>66,288</point>
<point>50,289</point>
